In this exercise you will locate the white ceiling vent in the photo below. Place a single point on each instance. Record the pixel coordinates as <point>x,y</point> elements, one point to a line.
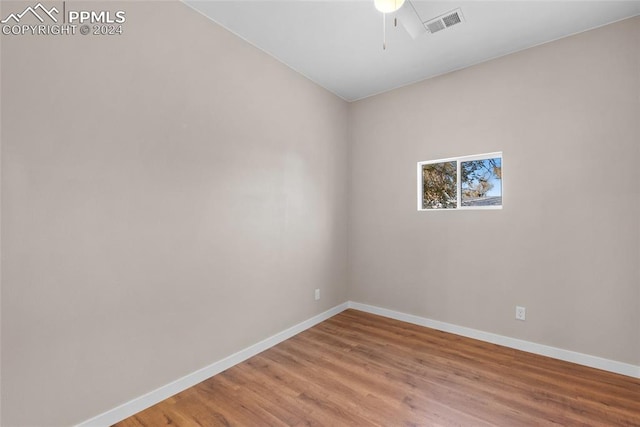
<point>447,20</point>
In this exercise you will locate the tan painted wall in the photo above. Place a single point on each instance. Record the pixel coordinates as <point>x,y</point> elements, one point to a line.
<point>566,245</point>
<point>169,196</point>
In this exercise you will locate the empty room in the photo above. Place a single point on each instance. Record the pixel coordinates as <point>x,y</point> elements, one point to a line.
<point>319,213</point>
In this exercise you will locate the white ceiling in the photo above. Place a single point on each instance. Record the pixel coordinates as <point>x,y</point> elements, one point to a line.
<point>338,43</point>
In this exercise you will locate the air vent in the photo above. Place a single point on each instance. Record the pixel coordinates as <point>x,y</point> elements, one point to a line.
<point>435,26</point>
<point>447,20</point>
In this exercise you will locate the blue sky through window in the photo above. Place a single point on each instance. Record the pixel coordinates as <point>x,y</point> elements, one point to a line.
<point>481,181</point>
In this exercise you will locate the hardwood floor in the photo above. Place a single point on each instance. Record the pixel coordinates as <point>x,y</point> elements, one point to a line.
<point>358,369</point>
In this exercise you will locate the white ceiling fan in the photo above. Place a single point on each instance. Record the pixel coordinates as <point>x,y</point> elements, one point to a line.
<point>406,13</point>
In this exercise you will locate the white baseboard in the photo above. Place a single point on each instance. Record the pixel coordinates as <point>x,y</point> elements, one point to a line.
<point>544,350</point>
<point>143,402</point>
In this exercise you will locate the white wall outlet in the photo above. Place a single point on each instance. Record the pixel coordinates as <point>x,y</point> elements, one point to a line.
<point>521,313</point>
<point>317,294</point>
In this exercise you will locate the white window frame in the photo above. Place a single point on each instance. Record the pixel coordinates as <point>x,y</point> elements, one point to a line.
<point>458,160</point>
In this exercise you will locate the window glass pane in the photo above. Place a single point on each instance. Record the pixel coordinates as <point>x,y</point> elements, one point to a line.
<point>439,188</point>
<point>481,182</point>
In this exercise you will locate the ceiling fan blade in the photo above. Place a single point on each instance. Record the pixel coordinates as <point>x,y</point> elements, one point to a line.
<point>408,17</point>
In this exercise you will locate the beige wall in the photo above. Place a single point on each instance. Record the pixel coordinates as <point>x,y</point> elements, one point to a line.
<point>566,245</point>
<point>169,197</point>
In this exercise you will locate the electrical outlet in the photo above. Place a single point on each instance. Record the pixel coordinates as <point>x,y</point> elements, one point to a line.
<point>521,313</point>
<point>317,294</point>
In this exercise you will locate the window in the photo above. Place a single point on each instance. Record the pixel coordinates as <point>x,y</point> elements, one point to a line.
<point>470,182</point>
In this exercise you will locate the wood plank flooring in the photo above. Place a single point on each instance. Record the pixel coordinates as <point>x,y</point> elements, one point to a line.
<point>358,369</point>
